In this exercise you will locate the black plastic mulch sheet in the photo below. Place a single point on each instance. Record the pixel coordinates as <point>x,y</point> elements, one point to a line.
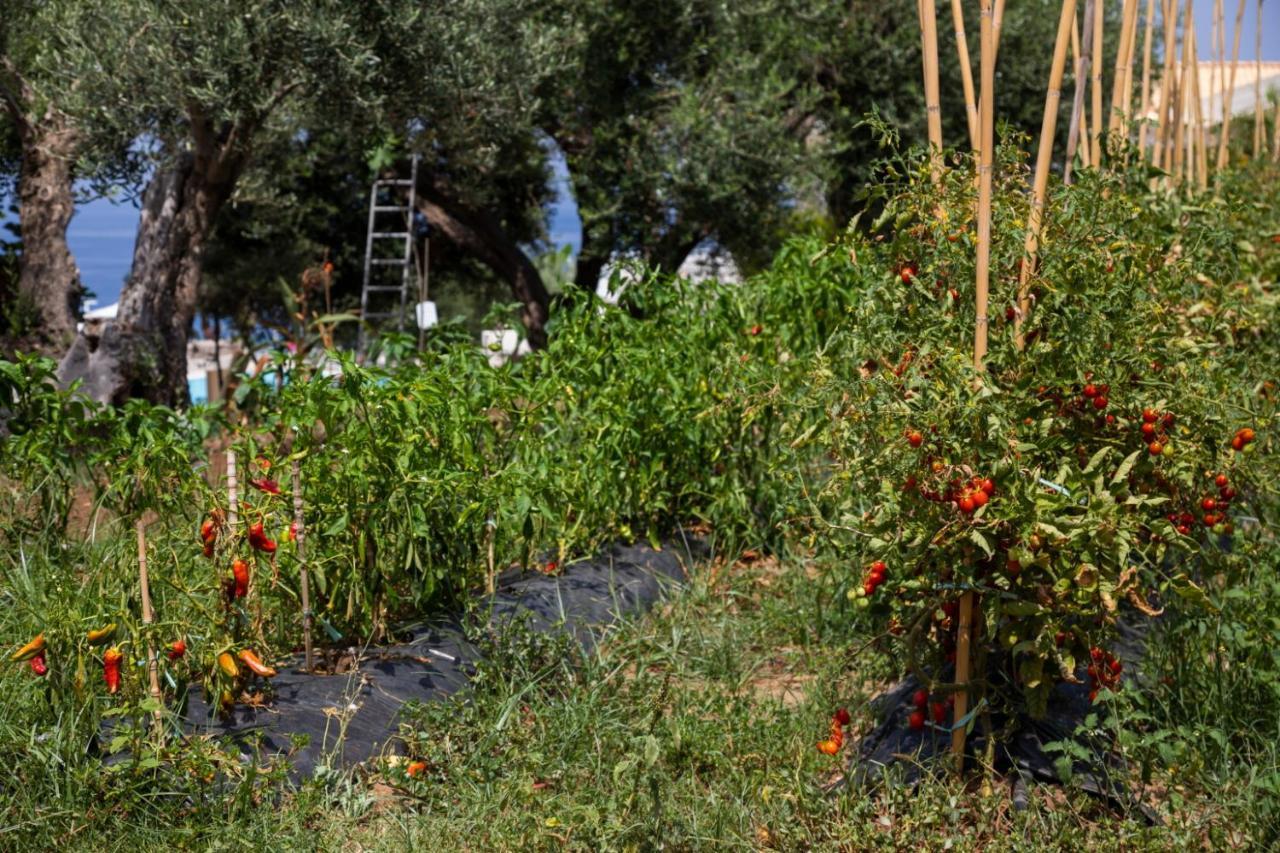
<point>893,750</point>
<point>343,720</point>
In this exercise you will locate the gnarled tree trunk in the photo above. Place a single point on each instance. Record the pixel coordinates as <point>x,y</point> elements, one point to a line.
<point>49,287</point>
<point>480,233</point>
<point>143,351</point>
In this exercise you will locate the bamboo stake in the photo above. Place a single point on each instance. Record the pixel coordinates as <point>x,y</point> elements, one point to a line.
<point>1219,50</point>
<point>1224,140</point>
<point>1164,133</point>
<point>997,25</point>
<point>1079,121</point>
<point>491,572</point>
<point>1044,158</point>
<point>1146,77</point>
<point>1275,135</point>
<point>1120,75</point>
<point>304,577</point>
<point>1198,134</point>
<point>985,159</point>
<point>1095,88</point>
<point>932,104</point>
<point>966,74</point>
<point>1180,101</point>
<point>1126,93</point>
<point>1259,123</point>
<point>153,666</point>
<point>233,505</point>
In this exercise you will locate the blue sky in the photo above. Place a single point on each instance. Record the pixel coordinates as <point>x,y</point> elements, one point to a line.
<point>101,233</point>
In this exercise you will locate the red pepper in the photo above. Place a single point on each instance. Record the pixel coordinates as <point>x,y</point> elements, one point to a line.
<point>258,539</point>
<point>111,669</point>
<point>38,665</point>
<point>240,571</point>
<point>262,484</point>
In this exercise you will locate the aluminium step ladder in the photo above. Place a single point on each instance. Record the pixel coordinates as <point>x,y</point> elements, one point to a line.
<point>388,196</point>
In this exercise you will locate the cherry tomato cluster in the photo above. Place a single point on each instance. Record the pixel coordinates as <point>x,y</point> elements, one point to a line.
<point>938,710</point>
<point>975,495</point>
<point>832,745</point>
<point>875,576</point>
<point>1096,395</point>
<point>967,497</point>
<point>1243,438</point>
<point>1104,671</point>
<point>1155,431</point>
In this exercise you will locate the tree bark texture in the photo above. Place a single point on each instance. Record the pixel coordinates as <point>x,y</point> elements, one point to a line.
<point>49,288</point>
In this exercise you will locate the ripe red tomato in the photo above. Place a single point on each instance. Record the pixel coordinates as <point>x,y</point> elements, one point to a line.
<point>916,720</point>
<point>1149,430</point>
<point>1091,391</point>
<point>1155,448</point>
<point>988,485</point>
<point>1099,402</point>
<point>1208,504</point>
<point>842,716</point>
<point>914,438</point>
<point>920,698</point>
<point>878,567</point>
<point>1221,481</point>
<point>979,498</point>
<point>1237,443</point>
<point>939,710</point>
<point>1248,435</point>
<point>1150,416</point>
<point>966,503</point>
<point>756,329</point>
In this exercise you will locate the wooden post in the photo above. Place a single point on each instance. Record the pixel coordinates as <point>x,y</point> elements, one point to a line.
<point>932,101</point>
<point>966,74</point>
<point>304,578</point>
<point>1044,158</point>
<point>1095,88</point>
<point>986,122</point>
<point>153,666</point>
<point>1079,121</point>
<point>1224,139</point>
<point>1148,29</point>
